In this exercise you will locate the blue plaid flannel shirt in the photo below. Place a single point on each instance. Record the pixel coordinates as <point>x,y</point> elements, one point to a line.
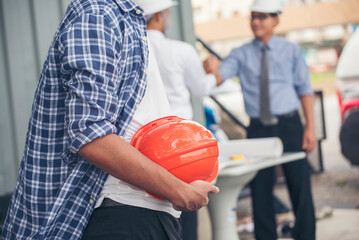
<point>90,85</point>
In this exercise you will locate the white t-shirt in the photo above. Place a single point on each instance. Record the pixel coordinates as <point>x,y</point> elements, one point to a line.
<point>181,71</point>
<point>154,105</point>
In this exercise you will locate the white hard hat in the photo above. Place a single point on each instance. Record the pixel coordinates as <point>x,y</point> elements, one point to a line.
<point>155,6</point>
<point>267,6</point>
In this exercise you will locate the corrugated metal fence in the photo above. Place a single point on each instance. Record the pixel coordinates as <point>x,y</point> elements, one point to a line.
<point>26,29</point>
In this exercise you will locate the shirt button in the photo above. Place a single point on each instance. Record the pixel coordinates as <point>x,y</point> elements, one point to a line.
<point>91,201</point>
<point>138,11</point>
<point>146,71</point>
<point>144,38</point>
<point>137,106</point>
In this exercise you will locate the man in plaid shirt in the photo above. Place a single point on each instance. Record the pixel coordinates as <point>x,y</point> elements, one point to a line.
<point>92,81</point>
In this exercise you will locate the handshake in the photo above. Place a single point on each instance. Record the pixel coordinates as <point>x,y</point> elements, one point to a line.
<point>211,66</point>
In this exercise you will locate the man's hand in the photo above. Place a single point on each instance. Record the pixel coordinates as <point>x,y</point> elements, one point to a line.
<point>194,196</point>
<point>309,133</point>
<point>211,64</point>
<point>309,141</point>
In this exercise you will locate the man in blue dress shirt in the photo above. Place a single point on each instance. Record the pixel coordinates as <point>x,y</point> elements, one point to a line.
<point>275,82</point>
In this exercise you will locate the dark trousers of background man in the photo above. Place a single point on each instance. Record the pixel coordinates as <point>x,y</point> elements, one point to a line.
<point>290,130</point>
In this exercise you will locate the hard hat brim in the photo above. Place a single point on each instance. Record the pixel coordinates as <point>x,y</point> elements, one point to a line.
<point>266,11</point>
<point>162,8</point>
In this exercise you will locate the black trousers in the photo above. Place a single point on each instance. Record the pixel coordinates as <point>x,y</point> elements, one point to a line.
<point>289,129</point>
<point>131,223</point>
<point>189,225</point>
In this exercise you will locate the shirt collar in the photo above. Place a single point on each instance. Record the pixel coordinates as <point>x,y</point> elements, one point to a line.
<point>128,5</point>
<point>271,43</point>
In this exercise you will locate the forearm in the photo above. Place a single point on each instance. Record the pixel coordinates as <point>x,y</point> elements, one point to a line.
<point>307,105</point>
<point>118,158</point>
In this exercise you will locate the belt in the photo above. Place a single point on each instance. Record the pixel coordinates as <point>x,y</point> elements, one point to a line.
<point>282,116</point>
<point>110,203</point>
<point>288,115</point>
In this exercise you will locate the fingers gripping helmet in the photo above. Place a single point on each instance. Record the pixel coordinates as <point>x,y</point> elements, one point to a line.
<point>183,147</point>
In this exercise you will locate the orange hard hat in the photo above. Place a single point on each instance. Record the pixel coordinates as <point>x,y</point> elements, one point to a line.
<point>183,147</point>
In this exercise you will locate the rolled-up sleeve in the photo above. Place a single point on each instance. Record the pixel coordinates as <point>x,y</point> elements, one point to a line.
<point>230,65</point>
<point>89,60</point>
<point>301,74</point>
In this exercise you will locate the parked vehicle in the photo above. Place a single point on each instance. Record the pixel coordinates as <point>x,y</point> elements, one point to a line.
<point>348,96</point>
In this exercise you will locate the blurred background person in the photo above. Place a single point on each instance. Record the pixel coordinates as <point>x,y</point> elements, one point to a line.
<point>182,74</point>
<point>275,82</point>
<point>180,66</point>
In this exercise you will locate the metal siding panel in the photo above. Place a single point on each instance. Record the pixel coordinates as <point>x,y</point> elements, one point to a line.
<point>175,28</point>
<point>27,28</point>
<point>23,72</point>
<point>47,16</point>
<point>64,5</point>
<point>8,167</point>
<point>188,35</point>
<point>181,22</point>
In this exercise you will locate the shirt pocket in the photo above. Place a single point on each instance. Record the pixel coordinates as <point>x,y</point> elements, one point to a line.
<point>281,71</point>
<point>251,73</point>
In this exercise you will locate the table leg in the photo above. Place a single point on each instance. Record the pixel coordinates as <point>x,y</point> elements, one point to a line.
<point>222,206</point>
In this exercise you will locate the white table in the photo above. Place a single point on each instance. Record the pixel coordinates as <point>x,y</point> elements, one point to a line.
<point>231,179</point>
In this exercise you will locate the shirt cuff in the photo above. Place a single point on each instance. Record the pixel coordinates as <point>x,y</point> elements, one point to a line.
<point>95,130</point>
<point>223,73</point>
<point>303,92</point>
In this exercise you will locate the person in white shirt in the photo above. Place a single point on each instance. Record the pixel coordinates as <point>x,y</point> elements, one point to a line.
<point>124,210</point>
<point>182,75</point>
<point>180,66</point>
